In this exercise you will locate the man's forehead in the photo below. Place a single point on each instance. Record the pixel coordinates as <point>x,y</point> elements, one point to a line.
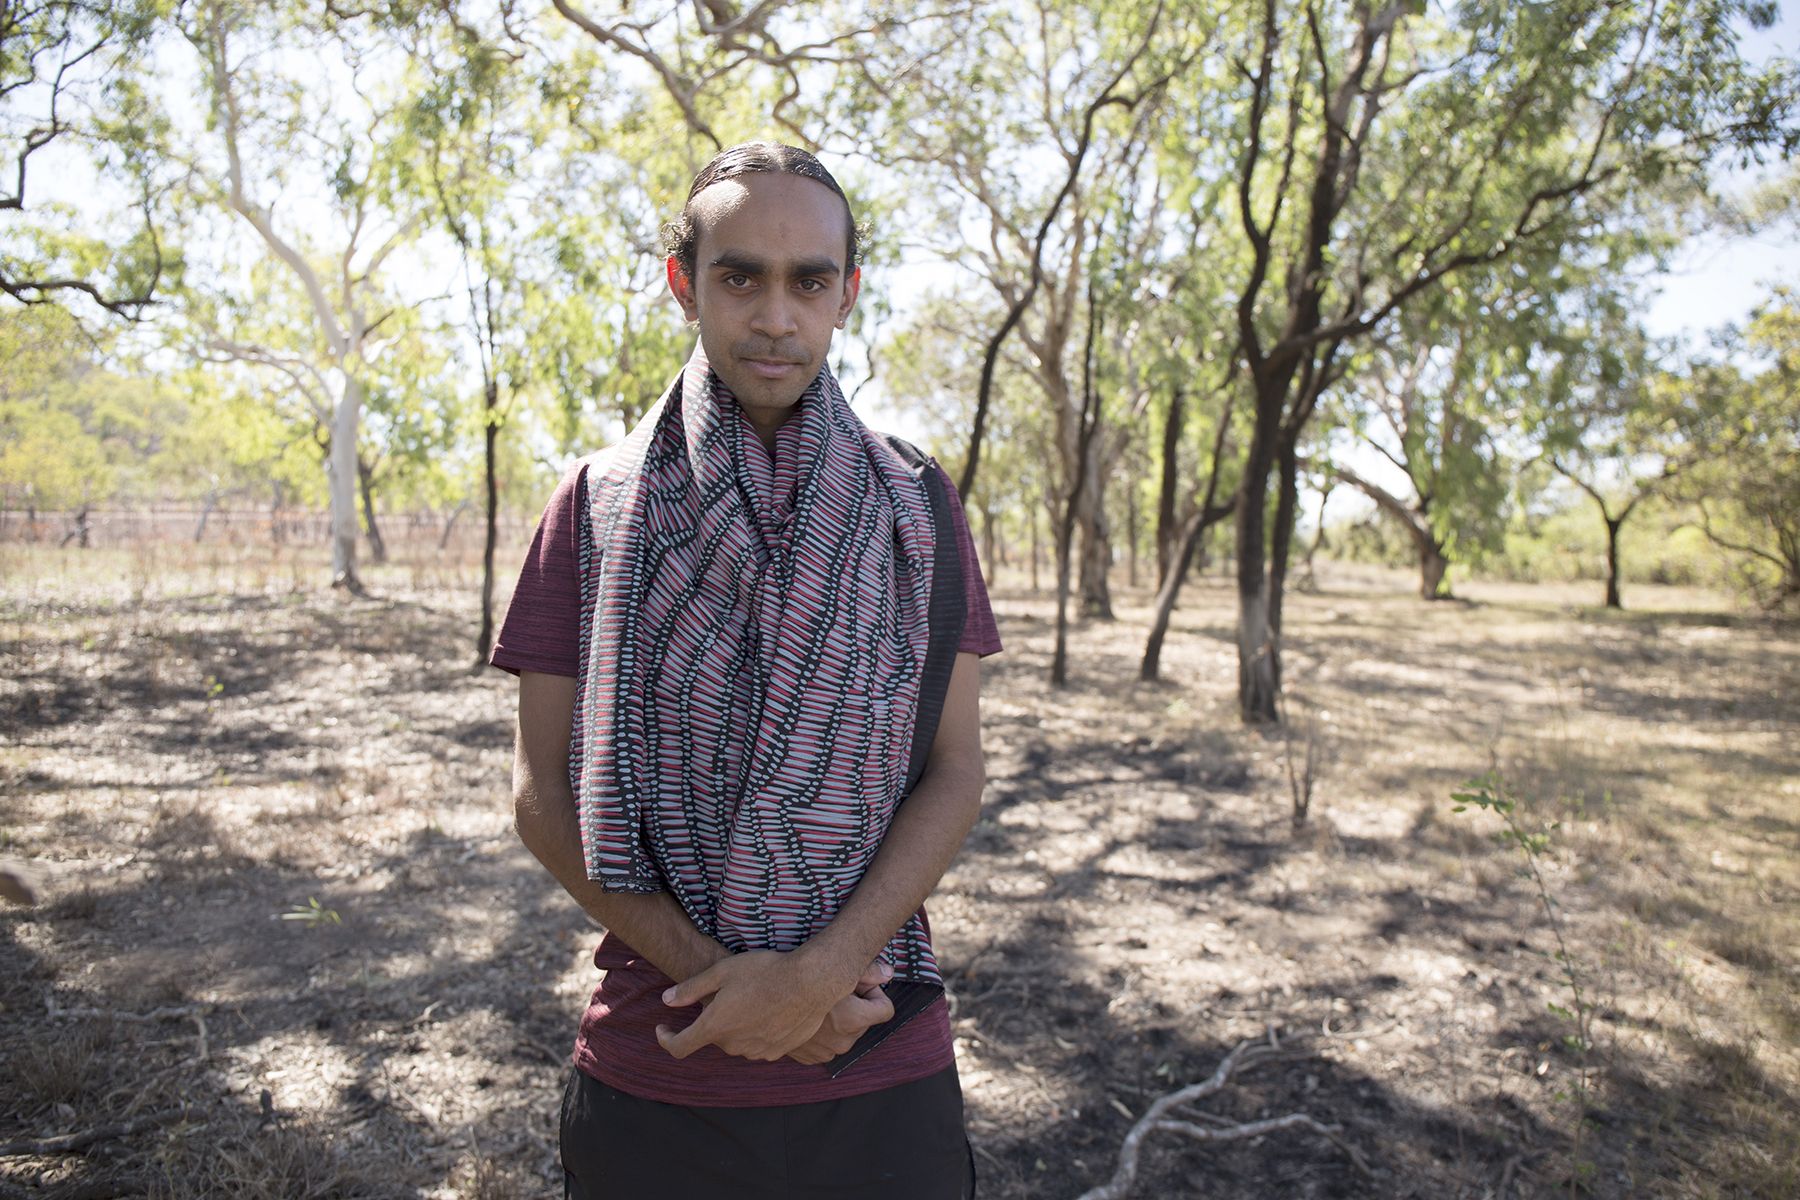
<point>718,202</point>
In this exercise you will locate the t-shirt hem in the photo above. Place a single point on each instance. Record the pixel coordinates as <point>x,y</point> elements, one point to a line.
<point>876,1077</point>
<point>514,663</point>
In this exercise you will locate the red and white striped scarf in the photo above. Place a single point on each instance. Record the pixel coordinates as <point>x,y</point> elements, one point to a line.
<point>750,683</point>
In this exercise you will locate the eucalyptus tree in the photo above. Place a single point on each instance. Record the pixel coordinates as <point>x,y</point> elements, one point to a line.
<point>1441,395</point>
<point>1025,135</point>
<point>415,412</point>
<point>1739,466</point>
<point>310,171</point>
<point>1601,411</point>
<point>516,143</point>
<point>930,361</point>
<point>72,76</point>
<point>800,61</point>
<point>49,457</point>
<point>476,135</point>
<point>1194,372</point>
<point>1383,150</point>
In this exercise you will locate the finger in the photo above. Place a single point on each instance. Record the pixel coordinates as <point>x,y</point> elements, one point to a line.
<point>864,1011</point>
<point>873,976</point>
<point>693,990</point>
<point>680,1045</point>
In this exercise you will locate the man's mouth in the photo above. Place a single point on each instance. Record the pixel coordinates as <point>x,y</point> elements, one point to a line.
<point>771,368</point>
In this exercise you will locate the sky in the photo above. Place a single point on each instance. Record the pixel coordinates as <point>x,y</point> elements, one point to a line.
<point>1717,279</point>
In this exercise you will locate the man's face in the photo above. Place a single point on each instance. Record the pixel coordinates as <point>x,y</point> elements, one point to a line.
<point>769,286</point>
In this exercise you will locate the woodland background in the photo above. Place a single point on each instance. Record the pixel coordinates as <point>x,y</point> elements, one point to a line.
<point>1401,656</point>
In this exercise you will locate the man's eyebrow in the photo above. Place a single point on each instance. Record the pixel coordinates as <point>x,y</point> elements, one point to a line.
<point>733,260</point>
<point>815,266</point>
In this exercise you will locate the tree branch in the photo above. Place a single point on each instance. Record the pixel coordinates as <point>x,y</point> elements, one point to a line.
<point>230,123</point>
<point>1107,97</point>
<point>1159,1117</point>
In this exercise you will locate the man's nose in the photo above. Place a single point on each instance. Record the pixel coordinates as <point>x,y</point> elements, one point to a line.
<point>774,314</point>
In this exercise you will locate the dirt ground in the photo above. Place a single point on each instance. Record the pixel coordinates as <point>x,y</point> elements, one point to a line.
<point>288,946</point>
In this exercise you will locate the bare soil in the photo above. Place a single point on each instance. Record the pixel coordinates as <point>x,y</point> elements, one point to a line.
<point>283,913</point>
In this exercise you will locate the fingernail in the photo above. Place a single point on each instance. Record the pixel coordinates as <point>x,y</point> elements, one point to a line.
<point>669,997</point>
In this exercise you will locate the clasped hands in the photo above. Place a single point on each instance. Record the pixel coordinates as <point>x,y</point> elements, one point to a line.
<point>766,1005</point>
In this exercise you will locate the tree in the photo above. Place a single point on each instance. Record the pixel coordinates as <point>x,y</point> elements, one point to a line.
<point>556,298</point>
<point>82,424</point>
<point>1740,467</point>
<point>256,117</point>
<point>49,457</point>
<point>70,71</point>
<point>1439,396</point>
<point>1603,423</point>
<point>1079,88</point>
<point>779,52</point>
<point>1416,147</point>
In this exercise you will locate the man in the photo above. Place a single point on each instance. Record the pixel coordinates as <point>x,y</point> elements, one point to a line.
<point>748,641</point>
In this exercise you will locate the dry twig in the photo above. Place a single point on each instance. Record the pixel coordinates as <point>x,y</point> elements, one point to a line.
<point>68,1143</point>
<point>1160,1117</point>
<point>170,1012</point>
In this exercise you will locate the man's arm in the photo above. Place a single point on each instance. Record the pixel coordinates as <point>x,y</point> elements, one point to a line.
<point>765,1004</point>
<point>653,925</point>
<point>544,815</point>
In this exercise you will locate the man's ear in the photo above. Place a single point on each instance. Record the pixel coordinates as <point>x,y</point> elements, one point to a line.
<point>682,288</point>
<point>852,286</point>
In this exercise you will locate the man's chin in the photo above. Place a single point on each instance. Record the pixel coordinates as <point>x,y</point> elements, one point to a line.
<point>756,391</point>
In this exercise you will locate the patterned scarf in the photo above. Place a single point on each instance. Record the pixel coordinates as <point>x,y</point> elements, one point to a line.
<point>751,665</point>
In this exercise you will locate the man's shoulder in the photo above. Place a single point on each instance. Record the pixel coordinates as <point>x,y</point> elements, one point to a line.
<point>589,465</point>
<point>921,463</point>
<point>915,459</point>
<point>595,458</point>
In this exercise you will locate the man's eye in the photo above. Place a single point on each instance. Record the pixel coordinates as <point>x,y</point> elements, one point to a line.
<point>812,286</point>
<point>737,279</point>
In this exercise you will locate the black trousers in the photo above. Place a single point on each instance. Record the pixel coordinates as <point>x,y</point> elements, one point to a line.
<point>903,1143</point>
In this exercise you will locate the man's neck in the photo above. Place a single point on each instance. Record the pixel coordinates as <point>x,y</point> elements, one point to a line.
<point>767,426</point>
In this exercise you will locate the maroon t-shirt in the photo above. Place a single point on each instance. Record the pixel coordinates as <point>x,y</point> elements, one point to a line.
<point>617,1040</point>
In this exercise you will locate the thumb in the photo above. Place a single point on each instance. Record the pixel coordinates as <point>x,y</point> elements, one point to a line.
<point>874,1008</point>
<point>873,976</point>
<point>693,989</point>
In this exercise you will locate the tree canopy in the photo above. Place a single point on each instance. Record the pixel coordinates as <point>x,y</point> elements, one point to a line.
<point>1147,266</point>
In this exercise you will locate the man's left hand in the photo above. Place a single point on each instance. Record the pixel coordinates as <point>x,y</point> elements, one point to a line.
<point>862,1009</point>
<point>764,1005</point>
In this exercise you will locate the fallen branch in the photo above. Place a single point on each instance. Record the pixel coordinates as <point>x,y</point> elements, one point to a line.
<point>87,1189</point>
<point>173,1012</point>
<point>67,1143</point>
<point>1159,1117</point>
<point>1252,1129</point>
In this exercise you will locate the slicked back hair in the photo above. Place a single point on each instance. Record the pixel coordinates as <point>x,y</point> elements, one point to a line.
<point>681,237</point>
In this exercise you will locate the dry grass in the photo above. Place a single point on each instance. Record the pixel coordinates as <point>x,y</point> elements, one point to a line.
<point>63,1069</point>
<point>193,746</point>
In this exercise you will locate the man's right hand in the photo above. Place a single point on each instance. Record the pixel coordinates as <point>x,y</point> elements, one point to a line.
<point>766,1005</point>
<point>861,1010</point>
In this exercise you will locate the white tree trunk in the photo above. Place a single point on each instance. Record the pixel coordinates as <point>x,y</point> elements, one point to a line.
<point>341,473</point>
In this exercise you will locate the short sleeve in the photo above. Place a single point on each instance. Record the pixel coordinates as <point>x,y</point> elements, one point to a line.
<point>540,632</point>
<point>980,633</point>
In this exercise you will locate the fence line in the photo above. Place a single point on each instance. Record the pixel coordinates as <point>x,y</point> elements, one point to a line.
<point>113,527</point>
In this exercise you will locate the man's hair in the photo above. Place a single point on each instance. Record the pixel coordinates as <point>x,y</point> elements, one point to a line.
<point>681,237</point>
